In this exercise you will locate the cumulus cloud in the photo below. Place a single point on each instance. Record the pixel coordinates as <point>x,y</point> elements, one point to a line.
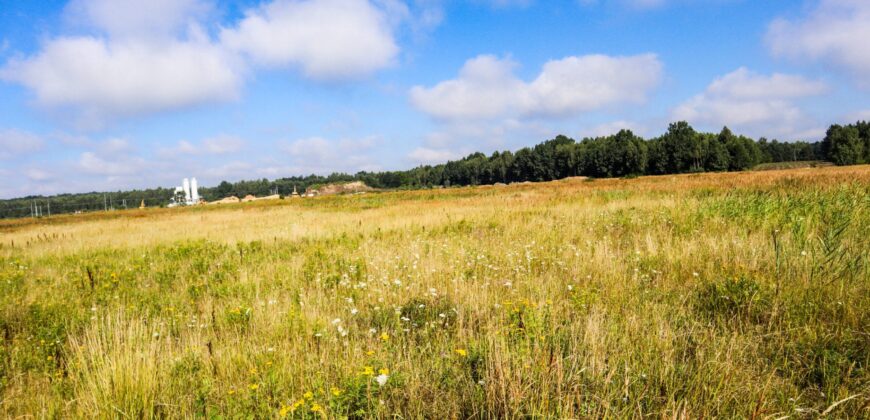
<point>430,156</point>
<point>218,145</point>
<point>834,33</point>
<point>137,19</point>
<point>38,175</point>
<point>488,88</point>
<point>94,164</point>
<point>862,115</point>
<point>634,4</point>
<point>104,79</point>
<point>138,58</point>
<point>461,138</point>
<point>752,102</point>
<point>613,127</point>
<point>326,39</point>
<point>321,155</point>
<point>15,143</point>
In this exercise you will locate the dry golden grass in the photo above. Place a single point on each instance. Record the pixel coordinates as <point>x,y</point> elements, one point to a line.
<point>732,295</point>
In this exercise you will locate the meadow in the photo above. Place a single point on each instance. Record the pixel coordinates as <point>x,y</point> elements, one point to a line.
<point>734,295</point>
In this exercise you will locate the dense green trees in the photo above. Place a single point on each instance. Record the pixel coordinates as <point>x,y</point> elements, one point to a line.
<point>848,145</point>
<point>681,149</point>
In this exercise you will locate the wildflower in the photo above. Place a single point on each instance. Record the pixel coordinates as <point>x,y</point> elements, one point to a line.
<point>461,352</point>
<point>316,408</point>
<point>297,404</point>
<point>370,353</point>
<point>253,371</point>
<point>284,410</point>
<point>384,371</point>
<point>308,395</point>
<point>254,387</point>
<point>368,371</point>
<point>335,391</point>
<point>382,379</point>
<point>231,392</point>
<point>354,311</point>
<point>385,336</point>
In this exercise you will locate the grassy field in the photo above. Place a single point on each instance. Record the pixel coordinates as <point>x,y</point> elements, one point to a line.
<point>709,295</point>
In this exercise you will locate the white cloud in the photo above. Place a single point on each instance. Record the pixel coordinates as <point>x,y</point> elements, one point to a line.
<point>326,39</point>
<point>320,155</point>
<point>218,145</point>
<point>751,102</point>
<point>16,142</point>
<point>137,58</point>
<point>106,79</point>
<point>487,87</point>
<point>633,4</point>
<point>614,127</point>
<point>461,138</point>
<point>115,146</point>
<point>835,32</point>
<point>425,155</point>
<point>94,164</point>
<point>137,19</point>
<point>863,115</point>
<point>39,175</point>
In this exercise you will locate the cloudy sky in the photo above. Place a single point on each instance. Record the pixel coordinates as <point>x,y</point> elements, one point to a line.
<point>117,94</point>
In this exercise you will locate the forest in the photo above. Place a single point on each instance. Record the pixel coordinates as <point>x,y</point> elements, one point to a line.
<point>681,149</point>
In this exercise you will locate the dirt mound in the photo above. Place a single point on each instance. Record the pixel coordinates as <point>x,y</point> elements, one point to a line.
<point>227,200</point>
<point>345,188</point>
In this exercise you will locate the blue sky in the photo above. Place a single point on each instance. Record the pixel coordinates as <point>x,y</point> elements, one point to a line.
<point>118,94</point>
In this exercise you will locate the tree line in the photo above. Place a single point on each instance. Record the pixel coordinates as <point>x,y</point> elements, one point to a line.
<point>681,149</point>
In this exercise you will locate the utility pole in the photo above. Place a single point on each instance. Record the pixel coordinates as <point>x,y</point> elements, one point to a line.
<point>105,203</point>
<point>49,207</point>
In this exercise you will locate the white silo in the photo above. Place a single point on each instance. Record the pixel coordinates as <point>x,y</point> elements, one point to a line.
<point>194,191</point>
<point>186,190</point>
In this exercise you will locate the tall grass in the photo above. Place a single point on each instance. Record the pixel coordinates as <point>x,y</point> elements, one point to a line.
<point>714,295</point>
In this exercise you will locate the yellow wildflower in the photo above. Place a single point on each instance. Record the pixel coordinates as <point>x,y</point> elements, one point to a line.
<point>385,336</point>
<point>308,395</point>
<point>284,410</point>
<point>254,387</point>
<point>370,353</point>
<point>384,371</point>
<point>335,391</point>
<point>368,371</point>
<point>315,408</point>
<point>462,352</point>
